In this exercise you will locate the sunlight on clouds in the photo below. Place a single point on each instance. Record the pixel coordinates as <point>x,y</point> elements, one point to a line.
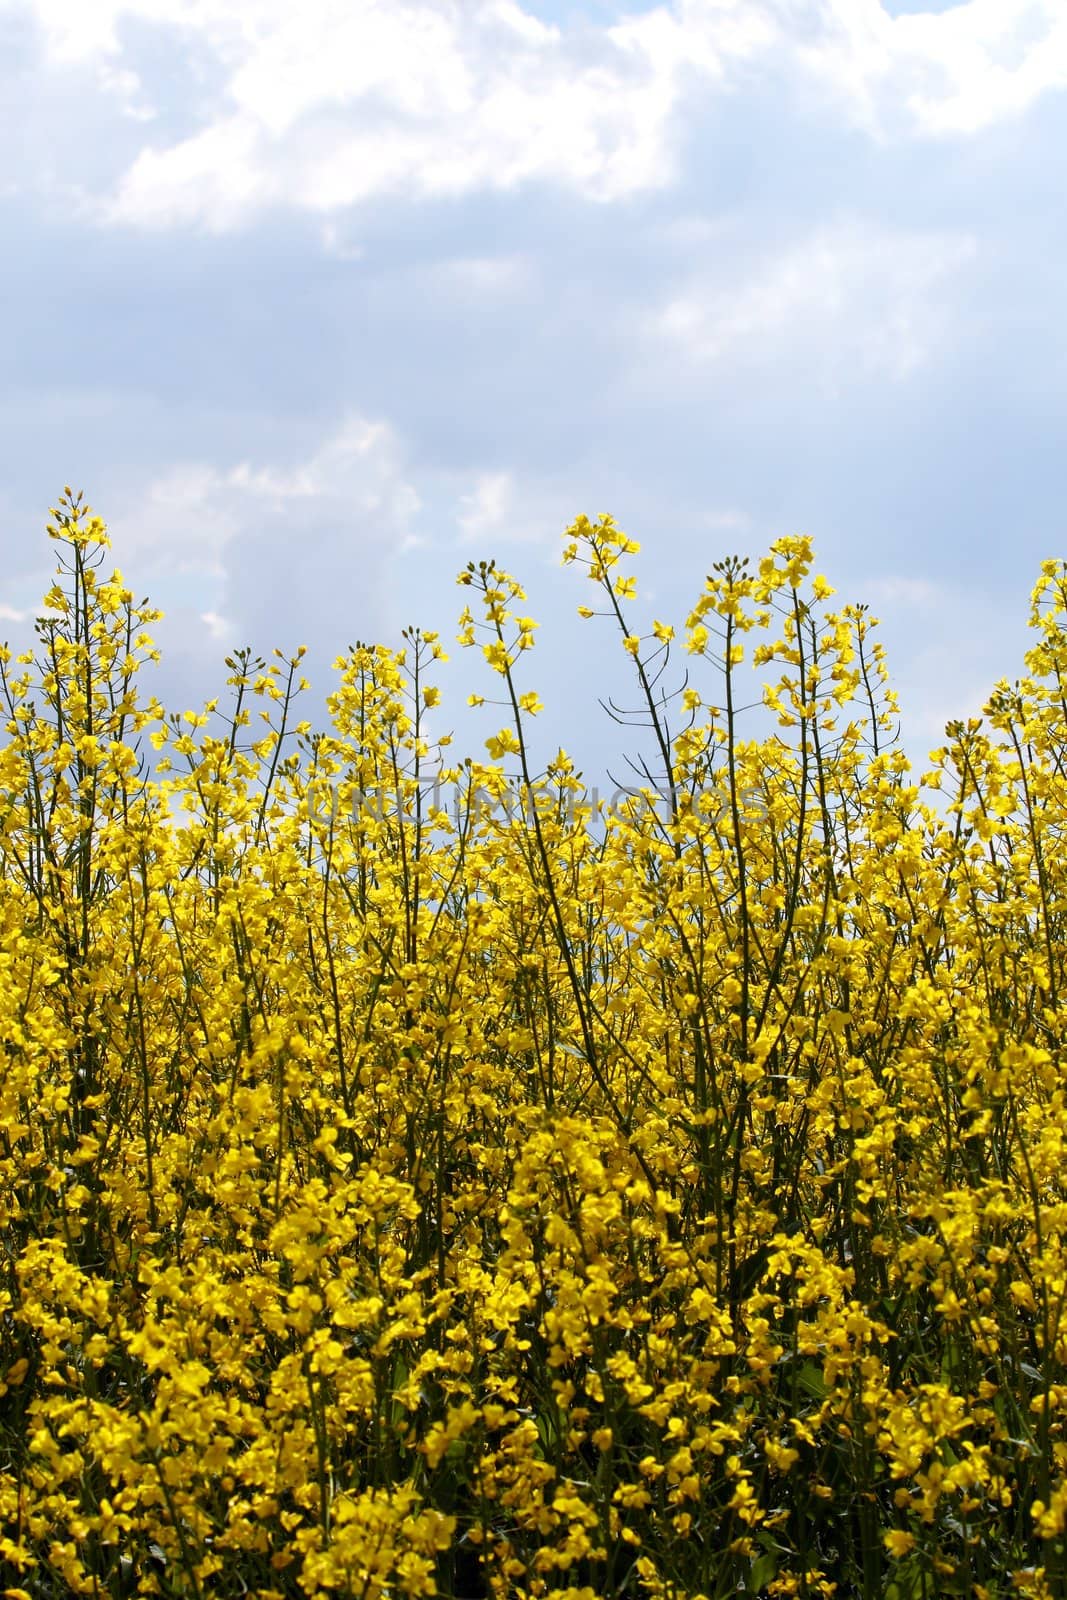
<point>953,71</point>
<point>217,178</point>
<point>410,56</point>
<point>995,59</point>
<point>347,100</point>
<point>699,34</point>
<point>76,30</point>
<point>347,103</point>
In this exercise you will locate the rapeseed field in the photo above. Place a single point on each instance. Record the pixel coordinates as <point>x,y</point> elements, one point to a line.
<point>497,1198</point>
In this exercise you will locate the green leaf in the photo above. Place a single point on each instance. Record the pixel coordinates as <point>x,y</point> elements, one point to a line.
<point>763,1571</point>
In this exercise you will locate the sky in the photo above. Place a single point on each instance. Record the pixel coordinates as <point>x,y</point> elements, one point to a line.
<point>316,304</point>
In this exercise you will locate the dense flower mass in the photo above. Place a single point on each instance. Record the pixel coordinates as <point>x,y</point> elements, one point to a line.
<point>402,1199</point>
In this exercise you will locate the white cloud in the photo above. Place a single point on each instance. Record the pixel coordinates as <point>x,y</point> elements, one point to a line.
<point>726,520</point>
<point>269,552</point>
<point>181,521</point>
<point>85,30</point>
<point>346,100</point>
<point>220,628</point>
<point>993,63</point>
<point>486,506</point>
<point>498,509</point>
<point>919,594</point>
<point>361,457</point>
<point>926,714</point>
<point>849,294</point>
<point>951,72</point>
<point>12,614</point>
<point>186,518</point>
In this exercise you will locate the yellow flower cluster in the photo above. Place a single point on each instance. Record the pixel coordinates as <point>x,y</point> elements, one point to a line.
<point>664,1204</point>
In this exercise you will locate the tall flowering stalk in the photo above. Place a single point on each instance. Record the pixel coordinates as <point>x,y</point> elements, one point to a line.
<point>404,1198</point>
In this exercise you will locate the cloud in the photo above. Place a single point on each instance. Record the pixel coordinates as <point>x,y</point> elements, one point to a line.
<point>945,666</point>
<point>927,711</point>
<point>726,520</point>
<point>347,101</point>
<point>273,554</point>
<point>498,509</point>
<point>919,594</point>
<point>337,245</point>
<point>993,63</point>
<point>220,628</point>
<point>484,275</point>
<point>187,517</point>
<point>12,614</point>
<point>849,294</point>
<point>486,506</point>
<point>952,72</point>
<point>183,521</point>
